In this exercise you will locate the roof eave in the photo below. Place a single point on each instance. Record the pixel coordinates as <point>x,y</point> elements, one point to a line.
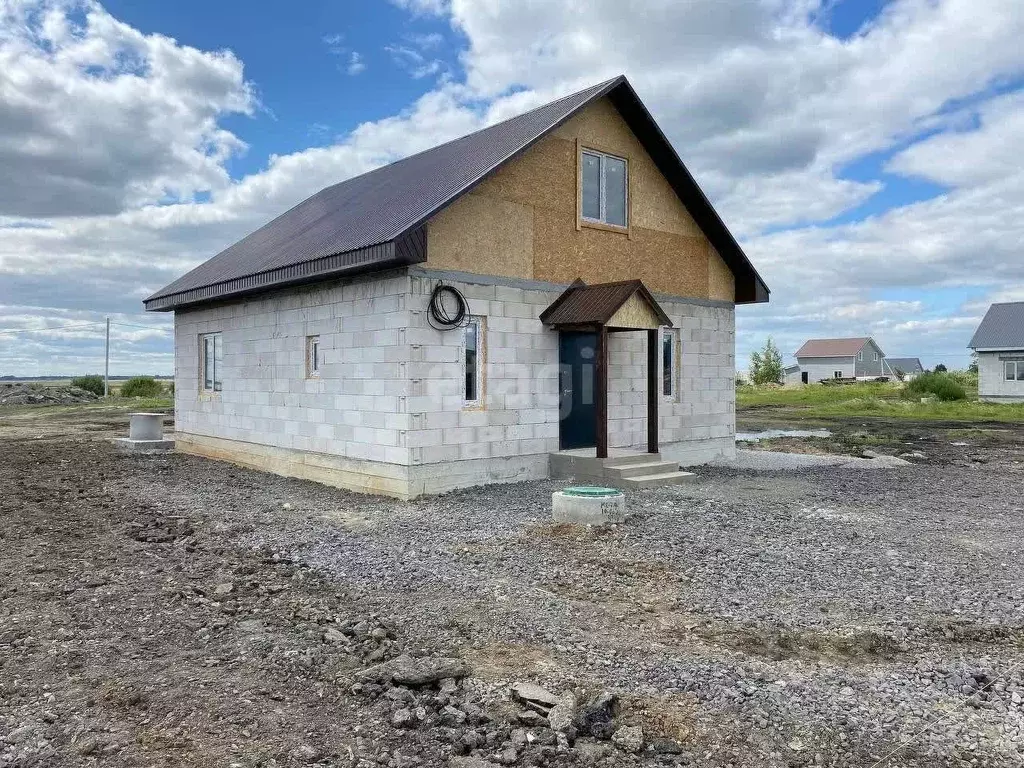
<point>408,249</point>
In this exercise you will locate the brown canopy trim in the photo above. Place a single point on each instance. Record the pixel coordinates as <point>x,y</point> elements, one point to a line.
<point>625,305</point>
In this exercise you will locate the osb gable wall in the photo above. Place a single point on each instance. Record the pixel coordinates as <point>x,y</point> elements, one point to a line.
<point>522,220</point>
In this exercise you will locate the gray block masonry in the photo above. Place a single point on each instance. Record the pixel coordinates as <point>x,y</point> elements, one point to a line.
<point>387,413</point>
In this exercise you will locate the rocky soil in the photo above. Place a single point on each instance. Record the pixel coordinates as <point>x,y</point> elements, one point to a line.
<point>171,611</point>
<point>12,393</point>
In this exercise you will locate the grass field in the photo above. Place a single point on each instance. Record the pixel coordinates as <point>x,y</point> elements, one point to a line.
<point>868,399</point>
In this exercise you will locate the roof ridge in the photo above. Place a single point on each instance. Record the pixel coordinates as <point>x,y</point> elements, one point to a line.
<point>596,88</point>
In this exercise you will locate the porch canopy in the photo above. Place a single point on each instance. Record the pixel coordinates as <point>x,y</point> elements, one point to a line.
<point>612,308</point>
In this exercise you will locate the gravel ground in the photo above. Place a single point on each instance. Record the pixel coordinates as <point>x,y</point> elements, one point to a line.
<point>816,616</point>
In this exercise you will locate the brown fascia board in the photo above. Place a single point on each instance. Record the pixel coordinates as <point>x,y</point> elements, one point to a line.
<point>408,249</point>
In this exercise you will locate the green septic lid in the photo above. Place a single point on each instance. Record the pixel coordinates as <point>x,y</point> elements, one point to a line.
<point>590,490</point>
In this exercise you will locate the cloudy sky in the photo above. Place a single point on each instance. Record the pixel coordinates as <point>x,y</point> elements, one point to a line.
<point>866,153</point>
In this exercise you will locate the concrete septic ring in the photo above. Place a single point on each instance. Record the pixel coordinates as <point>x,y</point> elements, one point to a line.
<point>145,434</point>
<point>588,505</point>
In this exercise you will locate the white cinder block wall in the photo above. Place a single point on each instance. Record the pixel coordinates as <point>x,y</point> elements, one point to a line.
<point>992,383</point>
<point>387,413</point>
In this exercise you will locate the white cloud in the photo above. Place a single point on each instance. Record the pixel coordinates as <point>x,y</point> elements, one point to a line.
<point>96,117</point>
<point>423,7</point>
<point>353,60</point>
<point>355,63</point>
<point>413,61</point>
<point>762,105</point>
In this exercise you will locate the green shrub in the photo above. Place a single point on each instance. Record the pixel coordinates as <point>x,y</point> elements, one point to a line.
<point>941,385</point>
<point>142,386</point>
<point>968,378</point>
<point>92,383</point>
<point>170,388</point>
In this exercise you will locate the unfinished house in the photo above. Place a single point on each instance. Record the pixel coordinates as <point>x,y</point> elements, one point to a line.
<point>999,345</point>
<point>551,293</point>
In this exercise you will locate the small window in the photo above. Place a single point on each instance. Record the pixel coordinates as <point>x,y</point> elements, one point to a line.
<point>472,361</point>
<point>860,355</point>
<point>837,374</point>
<point>1011,370</point>
<point>604,188</point>
<point>668,362</point>
<point>312,357</point>
<point>876,357</point>
<point>211,346</point>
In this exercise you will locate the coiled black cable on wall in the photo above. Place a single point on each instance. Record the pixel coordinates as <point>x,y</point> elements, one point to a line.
<point>448,308</point>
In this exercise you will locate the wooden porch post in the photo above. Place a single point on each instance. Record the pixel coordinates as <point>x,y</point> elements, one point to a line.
<point>653,391</point>
<point>601,392</point>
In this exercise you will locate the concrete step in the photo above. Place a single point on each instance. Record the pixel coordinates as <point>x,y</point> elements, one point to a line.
<point>658,480</point>
<point>640,468</point>
<point>632,458</point>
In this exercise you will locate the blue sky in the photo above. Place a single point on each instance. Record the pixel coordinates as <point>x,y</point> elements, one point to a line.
<point>299,60</point>
<point>864,152</point>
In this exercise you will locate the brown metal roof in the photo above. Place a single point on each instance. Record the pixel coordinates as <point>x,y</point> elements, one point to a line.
<point>582,304</point>
<point>374,221</point>
<point>832,347</point>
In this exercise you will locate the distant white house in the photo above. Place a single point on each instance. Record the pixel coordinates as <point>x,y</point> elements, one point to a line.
<point>907,368</point>
<point>999,343</point>
<point>791,375</point>
<point>857,358</point>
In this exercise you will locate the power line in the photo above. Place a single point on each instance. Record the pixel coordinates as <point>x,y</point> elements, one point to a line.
<point>66,326</point>
<point>70,326</point>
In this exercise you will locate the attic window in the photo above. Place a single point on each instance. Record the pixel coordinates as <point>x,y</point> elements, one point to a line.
<point>603,188</point>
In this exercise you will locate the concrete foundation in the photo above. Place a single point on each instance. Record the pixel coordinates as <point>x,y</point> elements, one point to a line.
<point>143,446</point>
<point>588,506</point>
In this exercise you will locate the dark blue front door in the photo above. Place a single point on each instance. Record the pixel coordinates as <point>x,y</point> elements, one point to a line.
<point>577,356</point>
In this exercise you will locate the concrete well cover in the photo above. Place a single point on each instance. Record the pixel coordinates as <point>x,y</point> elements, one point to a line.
<point>590,491</point>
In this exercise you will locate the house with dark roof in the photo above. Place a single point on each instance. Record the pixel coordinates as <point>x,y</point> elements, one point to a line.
<point>904,368</point>
<point>999,345</point>
<point>551,293</point>
<point>856,358</point>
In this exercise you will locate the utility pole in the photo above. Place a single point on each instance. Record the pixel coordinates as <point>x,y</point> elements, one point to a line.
<point>106,363</point>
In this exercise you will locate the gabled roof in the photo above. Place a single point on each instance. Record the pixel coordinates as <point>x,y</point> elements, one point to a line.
<point>1001,328</point>
<point>582,304</point>
<point>905,364</point>
<point>374,221</point>
<point>832,347</point>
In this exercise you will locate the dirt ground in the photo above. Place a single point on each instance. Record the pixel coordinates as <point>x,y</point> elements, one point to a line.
<point>171,611</point>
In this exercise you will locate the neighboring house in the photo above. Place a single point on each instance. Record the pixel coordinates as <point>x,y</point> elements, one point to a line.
<point>999,343</point>
<point>792,375</point>
<point>909,367</point>
<point>858,358</point>
<point>556,281</point>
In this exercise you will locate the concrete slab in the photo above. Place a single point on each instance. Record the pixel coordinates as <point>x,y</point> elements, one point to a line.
<point>143,446</point>
<point>780,461</point>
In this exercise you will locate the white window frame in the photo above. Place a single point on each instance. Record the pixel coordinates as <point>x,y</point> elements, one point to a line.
<point>313,357</point>
<point>860,356</point>
<point>1018,370</point>
<point>602,202</point>
<point>671,335</point>
<point>216,379</point>
<point>478,324</point>
<point>875,356</point>
<point>837,374</point>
